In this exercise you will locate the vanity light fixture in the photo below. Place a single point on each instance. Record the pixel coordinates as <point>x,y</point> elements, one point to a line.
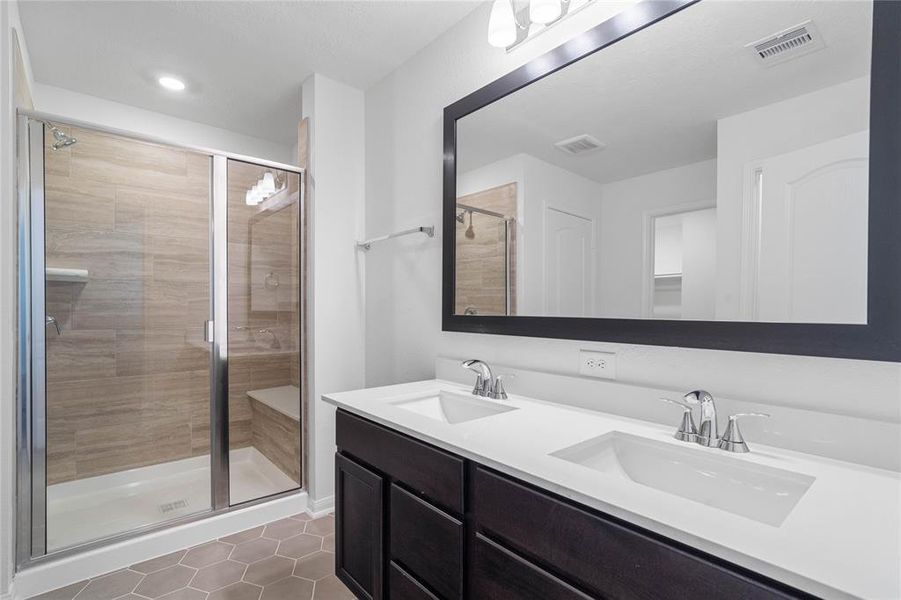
<point>544,11</point>
<point>171,83</point>
<point>502,24</point>
<point>512,22</point>
<point>267,186</point>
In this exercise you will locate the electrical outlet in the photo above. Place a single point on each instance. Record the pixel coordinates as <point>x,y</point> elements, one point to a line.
<point>597,364</point>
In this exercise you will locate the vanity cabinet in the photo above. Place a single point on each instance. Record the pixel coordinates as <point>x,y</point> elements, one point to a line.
<point>432,525</point>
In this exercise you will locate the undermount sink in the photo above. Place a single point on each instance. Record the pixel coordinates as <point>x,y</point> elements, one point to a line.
<point>758,492</point>
<point>453,408</point>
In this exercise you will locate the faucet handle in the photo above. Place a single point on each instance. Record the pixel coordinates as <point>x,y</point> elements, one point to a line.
<point>732,440</point>
<point>687,431</point>
<point>498,392</point>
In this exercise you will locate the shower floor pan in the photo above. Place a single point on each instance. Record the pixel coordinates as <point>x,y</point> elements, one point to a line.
<point>98,507</point>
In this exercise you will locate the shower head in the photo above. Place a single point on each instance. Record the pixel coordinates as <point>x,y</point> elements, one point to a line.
<point>470,234</point>
<point>461,216</point>
<point>62,140</point>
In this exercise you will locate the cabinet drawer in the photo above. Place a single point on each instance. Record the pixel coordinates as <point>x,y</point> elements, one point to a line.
<point>427,542</point>
<point>423,468</point>
<point>401,586</point>
<point>495,573</point>
<point>598,554</point>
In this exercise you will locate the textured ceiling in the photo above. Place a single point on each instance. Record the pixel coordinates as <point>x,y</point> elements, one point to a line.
<point>243,61</point>
<point>654,98</point>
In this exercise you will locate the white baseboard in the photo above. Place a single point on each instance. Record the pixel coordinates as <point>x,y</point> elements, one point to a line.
<point>322,507</point>
<point>91,563</point>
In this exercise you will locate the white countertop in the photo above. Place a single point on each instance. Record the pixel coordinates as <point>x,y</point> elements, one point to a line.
<point>842,539</point>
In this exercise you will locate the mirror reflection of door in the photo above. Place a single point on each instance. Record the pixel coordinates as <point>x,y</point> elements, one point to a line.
<point>812,234</point>
<point>568,264</point>
<point>684,265</point>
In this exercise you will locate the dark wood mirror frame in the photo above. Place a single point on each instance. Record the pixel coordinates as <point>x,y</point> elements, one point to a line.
<point>879,339</point>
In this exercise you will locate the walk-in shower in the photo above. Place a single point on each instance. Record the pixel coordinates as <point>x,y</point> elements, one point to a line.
<point>486,252</point>
<point>160,334</point>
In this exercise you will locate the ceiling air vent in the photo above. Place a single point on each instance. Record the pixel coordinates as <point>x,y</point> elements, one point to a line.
<point>788,44</point>
<point>581,144</point>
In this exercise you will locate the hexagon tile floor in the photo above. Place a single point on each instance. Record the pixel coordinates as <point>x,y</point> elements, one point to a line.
<point>289,559</point>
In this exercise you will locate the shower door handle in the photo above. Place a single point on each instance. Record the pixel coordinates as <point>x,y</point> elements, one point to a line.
<point>209,328</point>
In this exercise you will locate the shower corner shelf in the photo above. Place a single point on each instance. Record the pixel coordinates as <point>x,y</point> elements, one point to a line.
<point>367,244</point>
<point>67,275</point>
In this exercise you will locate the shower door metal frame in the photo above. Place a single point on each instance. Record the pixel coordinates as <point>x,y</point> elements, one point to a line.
<point>31,442</point>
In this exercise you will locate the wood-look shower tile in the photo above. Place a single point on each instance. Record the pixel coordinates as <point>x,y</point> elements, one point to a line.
<point>180,259</point>
<point>113,159</point>
<point>59,299</point>
<point>277,437</point>
<point>164,441</point>
<point>79,205</point>
<point>270,370</point>
<point>60,454</point>
<point>110,448</point>
<point>239,434</point>
<point>200,437</point>
<point>56,162</point>
<point>173,304</point>
<point>158,351</point>
<point>93,403</point>
<point>171,395</point>
<point>105,254</point>
<point>110,304</point>
<point>170,214</point>
<point>80,354</point>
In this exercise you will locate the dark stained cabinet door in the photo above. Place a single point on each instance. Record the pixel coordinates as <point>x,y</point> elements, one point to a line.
<point>358,528</point>
<point>496,573</point>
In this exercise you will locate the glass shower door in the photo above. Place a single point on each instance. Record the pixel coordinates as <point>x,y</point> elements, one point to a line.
<point>263,331</point>
<point>126,284</point>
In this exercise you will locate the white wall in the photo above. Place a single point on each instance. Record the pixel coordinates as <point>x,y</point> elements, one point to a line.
<point>767,131</point>
<point>403,183</point>
<point>91,109</point>
<point>336,331</point>
<point>540,185</point>
<point>623,211</point>
<point>699,265</point>
<point>403,174</point>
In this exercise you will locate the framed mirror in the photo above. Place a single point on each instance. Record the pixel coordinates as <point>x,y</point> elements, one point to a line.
<point>702,174</point>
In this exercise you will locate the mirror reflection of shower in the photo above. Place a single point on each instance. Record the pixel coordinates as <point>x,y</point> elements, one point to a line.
<point>485,257</point>
<point>60,138</point>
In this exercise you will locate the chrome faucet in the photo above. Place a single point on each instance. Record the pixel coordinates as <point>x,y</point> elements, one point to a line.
<point>487,385</point>
<point>708,433</point>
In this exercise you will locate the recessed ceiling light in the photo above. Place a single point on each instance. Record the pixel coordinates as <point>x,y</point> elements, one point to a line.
<point>171,83</point>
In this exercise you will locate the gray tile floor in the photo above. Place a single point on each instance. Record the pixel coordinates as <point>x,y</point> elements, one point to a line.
<point>289,559</point>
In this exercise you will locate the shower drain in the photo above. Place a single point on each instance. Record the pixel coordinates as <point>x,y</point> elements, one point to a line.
<point>168,507</point>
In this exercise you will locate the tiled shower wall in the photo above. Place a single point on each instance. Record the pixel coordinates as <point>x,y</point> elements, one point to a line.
<point>128,377</point>
<point>481,260</point>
